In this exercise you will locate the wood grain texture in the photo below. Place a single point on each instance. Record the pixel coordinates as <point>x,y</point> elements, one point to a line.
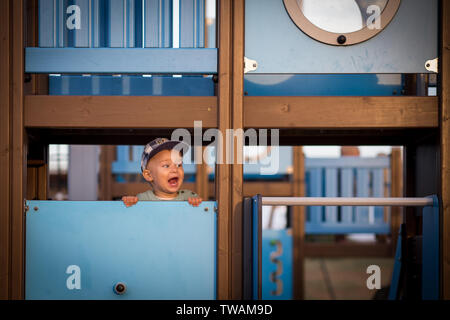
<point>223,170</point>
<point>5,150</point>
<point>237,123</point>
<point>18,169</point>
<point>298,224</point>
<point>43,111</point>
<point>444,63</point>
<point>396,191</point>
<point>340,112</point>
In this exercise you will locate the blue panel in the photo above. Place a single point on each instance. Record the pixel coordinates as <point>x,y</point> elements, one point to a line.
<point>347,191</point>
<point>134,85</point>
<point>331,190</point>
<point>274,262</point>
<point>378,191</point>
<point>362,190</point>
<point>192,23</point>
<point>255,244</point>
<point>160,250</point>
<point>340,228</point>
<point>119,60</point>
<point>347,162</point>
<point>315,188</point>
<point>393,289</point>
<point>322,85</point>
<point>430,251</point>
<point>279,46</point>
<point>158,23</point>
<point>52,23</point>
<point>121,23</point>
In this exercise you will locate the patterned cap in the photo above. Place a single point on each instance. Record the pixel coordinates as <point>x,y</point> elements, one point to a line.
<point>157,145</point>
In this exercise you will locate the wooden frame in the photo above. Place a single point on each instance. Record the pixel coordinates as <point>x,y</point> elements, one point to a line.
<point>444,65</point>
<point>228,110</point>
<point>259,112</point>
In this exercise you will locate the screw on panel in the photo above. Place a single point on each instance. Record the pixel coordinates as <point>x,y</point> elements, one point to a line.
<point>36,208</point>
<point>206,209</point>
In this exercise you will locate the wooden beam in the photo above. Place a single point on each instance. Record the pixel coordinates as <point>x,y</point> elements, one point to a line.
<point>444,64</point>
<point>333,250</point>
<point>18,168</point>
<point>201,175</point>
<point>268,188</point>
<point>5,150</point>
<point>396,191</point>
<point>223,170</point>
<point>298,224</point>
<point>44,111</point>
<point>237,122</point>
<point>340,112</point>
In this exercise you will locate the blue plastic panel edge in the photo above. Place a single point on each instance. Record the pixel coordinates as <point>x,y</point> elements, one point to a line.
<point>121,60</point>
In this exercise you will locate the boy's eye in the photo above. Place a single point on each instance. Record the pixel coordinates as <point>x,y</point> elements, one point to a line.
<point>179,165</point>
<point>165,165</point>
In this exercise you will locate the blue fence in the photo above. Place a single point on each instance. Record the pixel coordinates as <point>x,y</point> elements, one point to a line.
<point>346,177</point>
<point>86,249</point>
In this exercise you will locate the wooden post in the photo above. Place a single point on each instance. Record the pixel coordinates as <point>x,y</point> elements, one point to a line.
<point>223,172</point>
<point>237,119</point>
<point>229,177</point>
<point>106,181</point>
<point>201,175</point>
<point>18,164</point>
<point>396,191</point>
<point>444,64</point>
<point>298,224</point>
<point>5,153</point>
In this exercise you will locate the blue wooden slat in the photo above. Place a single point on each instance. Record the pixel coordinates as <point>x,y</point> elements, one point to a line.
<point>138,86</point>
<point>121,23</point>
<point>430,251</point>
<point>321,85</point>
<point>331,190</point>
<point>316,187</point>
<point>168,254</point>
<point>362,190</point>
<point>120,60</point>
<point>347,180</point>
<point>268,248</point>
<point>340,228</point>
<point>347,162</point>
<point>192,23</point>
<point>158,23</point>
<point>378,191</point>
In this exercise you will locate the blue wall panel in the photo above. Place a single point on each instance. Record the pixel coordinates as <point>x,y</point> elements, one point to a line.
<point>279,46</point>
<point>277,265</point>
<point>160,250</point>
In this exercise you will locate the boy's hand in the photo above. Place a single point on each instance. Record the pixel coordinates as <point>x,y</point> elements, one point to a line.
<point>195,202</point>
<point>129,201</point>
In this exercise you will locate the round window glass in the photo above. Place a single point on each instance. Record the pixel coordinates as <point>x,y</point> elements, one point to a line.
<point>341,16</point>
<point>341,22</point>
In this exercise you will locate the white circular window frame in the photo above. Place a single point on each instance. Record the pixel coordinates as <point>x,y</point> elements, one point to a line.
<point>313,31</point>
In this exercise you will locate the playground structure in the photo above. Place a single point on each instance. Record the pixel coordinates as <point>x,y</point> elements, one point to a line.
<point>33,116</point>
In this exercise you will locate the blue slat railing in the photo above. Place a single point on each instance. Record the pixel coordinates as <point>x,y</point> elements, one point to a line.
<point>120,36</point>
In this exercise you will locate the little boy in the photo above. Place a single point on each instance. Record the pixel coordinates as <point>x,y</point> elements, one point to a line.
<point>162,167</point>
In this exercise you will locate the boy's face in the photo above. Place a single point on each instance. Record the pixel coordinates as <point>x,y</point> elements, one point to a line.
<point>165,172</point>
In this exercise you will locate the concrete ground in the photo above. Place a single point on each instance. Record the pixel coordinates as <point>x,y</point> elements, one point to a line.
<point>343,278</point>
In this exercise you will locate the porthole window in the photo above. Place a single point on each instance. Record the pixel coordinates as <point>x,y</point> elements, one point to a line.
<point>341,22</point>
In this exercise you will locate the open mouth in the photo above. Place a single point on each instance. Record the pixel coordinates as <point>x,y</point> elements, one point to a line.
<point>173,182</point>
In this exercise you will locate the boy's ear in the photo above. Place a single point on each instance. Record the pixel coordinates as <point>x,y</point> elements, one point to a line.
<point>147,175</point>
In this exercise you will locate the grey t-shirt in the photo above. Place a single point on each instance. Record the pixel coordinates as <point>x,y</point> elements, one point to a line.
<point>183,195</point>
